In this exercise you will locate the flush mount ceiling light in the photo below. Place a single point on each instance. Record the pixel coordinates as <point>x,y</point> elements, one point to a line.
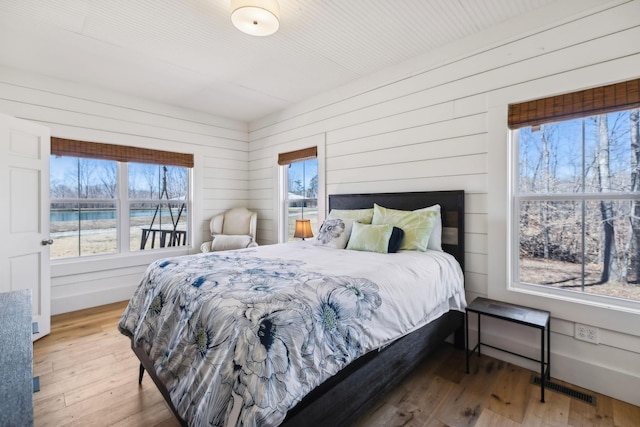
<point>256,17</point>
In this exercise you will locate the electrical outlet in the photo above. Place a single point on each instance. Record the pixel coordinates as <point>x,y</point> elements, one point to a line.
<point>586,333</point>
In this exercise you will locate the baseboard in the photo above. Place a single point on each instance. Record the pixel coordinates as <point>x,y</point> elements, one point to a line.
<point>91,299</point>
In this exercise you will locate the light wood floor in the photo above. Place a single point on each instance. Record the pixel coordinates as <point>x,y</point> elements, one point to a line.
<point>88,377</point>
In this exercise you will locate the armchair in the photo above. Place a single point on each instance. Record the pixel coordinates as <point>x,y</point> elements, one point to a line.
<point>233,229</point>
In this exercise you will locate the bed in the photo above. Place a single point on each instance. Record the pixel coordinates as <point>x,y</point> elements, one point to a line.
<point>323,376</point>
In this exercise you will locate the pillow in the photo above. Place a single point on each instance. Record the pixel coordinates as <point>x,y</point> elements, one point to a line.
<point>222,242</point>
<point>334,233</point>
<point>363,216</point>
<point>370,238</point>
<point>397,234</point>
<point>435,240</point>
<point>417,226</point>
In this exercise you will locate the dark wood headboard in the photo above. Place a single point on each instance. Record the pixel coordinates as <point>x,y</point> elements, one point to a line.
<point>451,203</point>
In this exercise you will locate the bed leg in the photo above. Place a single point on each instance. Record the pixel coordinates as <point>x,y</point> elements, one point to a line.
<point>141,374</point>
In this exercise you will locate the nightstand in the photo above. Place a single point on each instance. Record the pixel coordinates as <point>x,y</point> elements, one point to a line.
<point>531,317</point>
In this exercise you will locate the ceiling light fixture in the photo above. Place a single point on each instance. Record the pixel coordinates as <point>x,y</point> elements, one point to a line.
<point>256,17</point>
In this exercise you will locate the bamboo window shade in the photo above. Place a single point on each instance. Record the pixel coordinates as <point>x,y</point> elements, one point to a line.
<point>588,102</point>
<point>120,153</point>
<point>297,156</point>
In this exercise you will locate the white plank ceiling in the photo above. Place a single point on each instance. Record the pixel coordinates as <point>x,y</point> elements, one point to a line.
<point>187,53</point>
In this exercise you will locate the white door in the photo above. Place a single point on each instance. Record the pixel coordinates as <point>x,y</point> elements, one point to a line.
<point>24,218</point>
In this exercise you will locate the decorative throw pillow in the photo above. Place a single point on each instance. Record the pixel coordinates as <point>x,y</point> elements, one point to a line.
<point>223,242</point>
<point>435,240</point>
<point>370,238</point>
<point>397,234</point>
<point>363,216</point>
<point>334,232</point>
<point>417,226</point>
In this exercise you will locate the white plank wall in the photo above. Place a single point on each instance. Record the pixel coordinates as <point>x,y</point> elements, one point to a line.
<point>431,125</point>
<point>220,178</point>
<point>437,122</point>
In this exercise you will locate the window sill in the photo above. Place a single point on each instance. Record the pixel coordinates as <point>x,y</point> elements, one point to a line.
<point>603,313</point>
<point>584,298</point>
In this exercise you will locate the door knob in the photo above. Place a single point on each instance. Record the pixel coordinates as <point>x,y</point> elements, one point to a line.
<point>47,242</point>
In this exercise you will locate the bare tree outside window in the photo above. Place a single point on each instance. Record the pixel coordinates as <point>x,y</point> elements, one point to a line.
<point>578,203</point>
<point>633,243</point>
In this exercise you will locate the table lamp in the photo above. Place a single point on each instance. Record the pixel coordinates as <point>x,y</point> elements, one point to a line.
<point>303,228</point>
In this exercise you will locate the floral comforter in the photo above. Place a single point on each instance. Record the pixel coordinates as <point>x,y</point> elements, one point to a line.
<point>239,337</point>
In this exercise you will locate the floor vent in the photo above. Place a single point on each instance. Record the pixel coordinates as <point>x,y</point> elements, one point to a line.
<point>559,388</point>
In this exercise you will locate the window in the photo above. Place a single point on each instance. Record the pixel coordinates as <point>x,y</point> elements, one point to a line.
<point>300,189</point>
<point>108,199</point>
<point>576,198</point>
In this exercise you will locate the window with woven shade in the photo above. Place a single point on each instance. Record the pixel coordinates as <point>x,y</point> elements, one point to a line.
<point>110,199</point>
<point>576,193</point>
<point>300,189</point>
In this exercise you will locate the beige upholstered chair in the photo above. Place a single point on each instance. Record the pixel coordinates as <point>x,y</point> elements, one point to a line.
<point>233,229</point>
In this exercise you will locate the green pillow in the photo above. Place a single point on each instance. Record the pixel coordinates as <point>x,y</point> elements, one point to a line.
<point>417,225</point>
<point>370,238</point>
<point>363,216</point>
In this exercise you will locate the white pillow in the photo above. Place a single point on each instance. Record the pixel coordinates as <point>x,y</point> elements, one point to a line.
<point>334,232</point>
<point>222,242</point>
<point>435,240</point>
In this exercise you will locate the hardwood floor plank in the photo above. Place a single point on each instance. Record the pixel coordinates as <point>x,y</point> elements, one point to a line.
<point>583,414</point>
<point>424,400</point>
<point>510,395</point>
<point>435,423</point>
<point>625,415</point>
<point>64,358</point>
<point>554,412</point>
<point>381,416</point>
<point>464,404</point>
<point>42,367</point>
<point>76,376</point>
<point>488,418</point>
<point>89,377</point>
<point>48,406</point>
<point>109,383</point>
<point>153,415</point>
<point>115,408</point>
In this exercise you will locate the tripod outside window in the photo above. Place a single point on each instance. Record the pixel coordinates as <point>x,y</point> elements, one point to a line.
<point>167,236</point>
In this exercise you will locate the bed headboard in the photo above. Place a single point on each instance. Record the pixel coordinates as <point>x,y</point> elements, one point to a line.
<point>452,208</point>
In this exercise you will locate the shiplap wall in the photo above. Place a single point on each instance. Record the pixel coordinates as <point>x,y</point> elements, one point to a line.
<point>439,123</point>
<point>220,178</point>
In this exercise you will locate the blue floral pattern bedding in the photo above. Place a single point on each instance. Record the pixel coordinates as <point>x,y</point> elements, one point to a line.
<point>239,338</point>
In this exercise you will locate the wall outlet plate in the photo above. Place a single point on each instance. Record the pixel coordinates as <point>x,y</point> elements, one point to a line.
<point>587,333</point>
